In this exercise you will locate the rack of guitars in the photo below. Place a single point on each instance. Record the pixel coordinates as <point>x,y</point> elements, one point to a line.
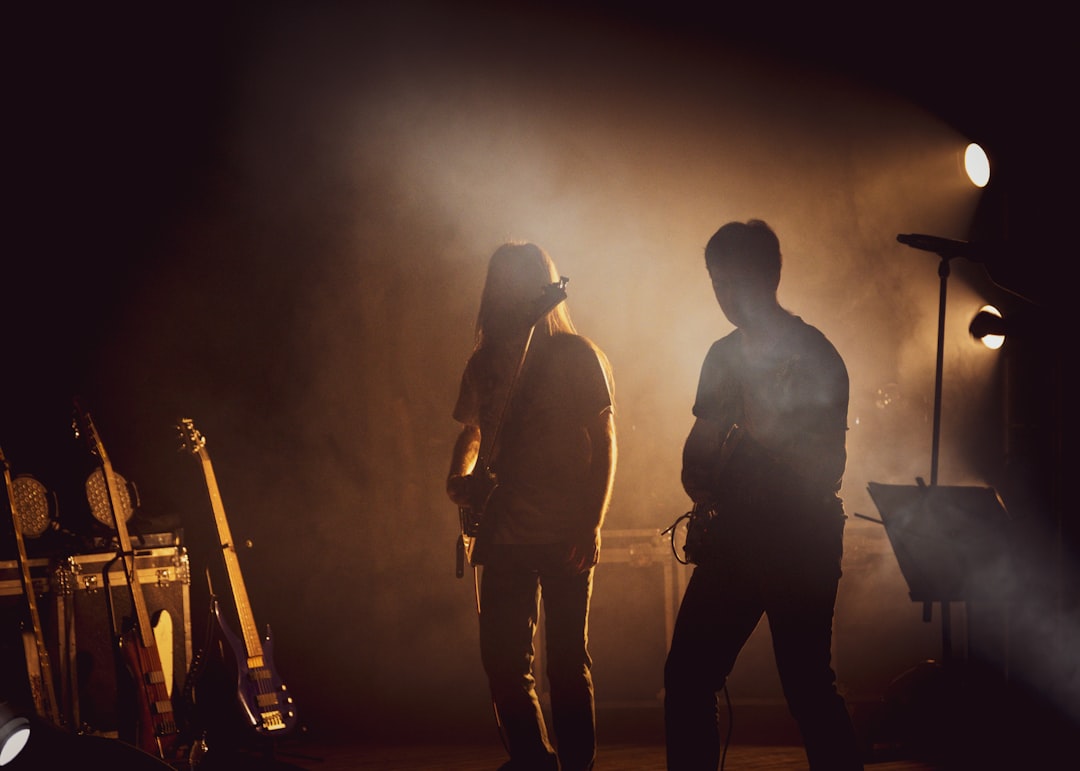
<point>104,623</point>
<point>82,602</point>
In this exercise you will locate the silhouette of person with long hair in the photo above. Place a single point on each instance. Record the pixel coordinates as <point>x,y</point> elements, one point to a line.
<point>539,537</point>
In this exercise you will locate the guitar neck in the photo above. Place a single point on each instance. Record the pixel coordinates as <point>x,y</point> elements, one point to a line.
<point>155,726</point>
<point>50,708</point>
<point>127,554</point>
<point>232,562</point>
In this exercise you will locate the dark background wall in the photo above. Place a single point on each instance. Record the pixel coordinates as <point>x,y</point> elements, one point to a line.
<point>274,219</point>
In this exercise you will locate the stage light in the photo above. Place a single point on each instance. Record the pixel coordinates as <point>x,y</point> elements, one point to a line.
<point>988,327</point>
<point>14,733</point>
<point>101,504</point>
<point>32,505</point>
<point>977,165</point>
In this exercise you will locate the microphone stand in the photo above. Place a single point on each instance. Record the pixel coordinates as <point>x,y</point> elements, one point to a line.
<point>946,249</point>
<point>943,274</point>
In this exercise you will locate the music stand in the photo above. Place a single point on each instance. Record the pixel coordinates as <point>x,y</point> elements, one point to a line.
<point>950,542</point>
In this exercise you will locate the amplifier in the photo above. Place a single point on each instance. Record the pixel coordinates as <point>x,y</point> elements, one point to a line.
<point>94,603</point>
<point>11,578</point>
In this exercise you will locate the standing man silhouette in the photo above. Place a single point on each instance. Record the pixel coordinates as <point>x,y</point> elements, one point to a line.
<point>763,465</point>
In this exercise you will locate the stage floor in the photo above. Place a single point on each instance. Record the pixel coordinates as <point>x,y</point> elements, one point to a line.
<point>622,757</point>
<point>763,742</point>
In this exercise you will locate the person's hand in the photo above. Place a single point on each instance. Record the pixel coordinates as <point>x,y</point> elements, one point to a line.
<point>459,488</point>
<point>583,552</point>
<point>470,490</point>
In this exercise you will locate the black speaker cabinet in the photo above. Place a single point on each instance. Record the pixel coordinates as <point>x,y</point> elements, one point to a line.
<point>94,602</point>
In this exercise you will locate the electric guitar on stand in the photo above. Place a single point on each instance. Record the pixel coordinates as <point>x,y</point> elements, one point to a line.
<point>265,703</point>
<point>156,729</point>
<point>38,666</point>
<point>483,479</point>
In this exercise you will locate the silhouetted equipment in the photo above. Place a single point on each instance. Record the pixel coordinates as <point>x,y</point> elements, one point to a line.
<point>156,729</point>
<point>986,323</point>
<point>14,733</point>
<point>38,662</point>
<point>949,248</point>
<point>951,543</point>
<point>82,597</point>
<point>255,690</point>
<point>50,747</point>
<point>929,515</point>
<point>92,597</point>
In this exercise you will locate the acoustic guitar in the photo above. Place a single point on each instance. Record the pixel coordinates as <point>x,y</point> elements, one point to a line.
<point>265,703</point>
<point>156,730</point>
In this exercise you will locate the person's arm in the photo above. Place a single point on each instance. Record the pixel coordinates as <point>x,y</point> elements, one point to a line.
<point>701,453</point>
<point>462,462</point>
<point>585,548</point>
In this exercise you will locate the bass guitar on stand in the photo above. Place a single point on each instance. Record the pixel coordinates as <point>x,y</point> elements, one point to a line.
<point>156,728</point>
<point>265,703</point>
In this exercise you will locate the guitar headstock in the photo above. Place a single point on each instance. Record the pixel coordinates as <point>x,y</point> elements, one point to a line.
<point>112,498</point>
<point>550,296</point>
<point>190,439</point>
<point>82,425</point>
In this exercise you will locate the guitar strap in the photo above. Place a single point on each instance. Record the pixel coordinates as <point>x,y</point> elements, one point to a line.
<point>486,467</point>
<point>511,391</point>
<point>550,297</point>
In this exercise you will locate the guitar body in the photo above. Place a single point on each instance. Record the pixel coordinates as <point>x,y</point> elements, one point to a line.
<point>483,486</point>
<point>155,728</point>
<point>264,701</point>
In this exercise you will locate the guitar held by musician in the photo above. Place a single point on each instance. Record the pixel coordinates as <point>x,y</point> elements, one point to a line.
<point>706,519</point>
<point>472,488</point>
<point>471,492</point>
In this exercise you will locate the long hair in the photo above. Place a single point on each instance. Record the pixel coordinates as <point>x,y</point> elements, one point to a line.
<point>517,274</point>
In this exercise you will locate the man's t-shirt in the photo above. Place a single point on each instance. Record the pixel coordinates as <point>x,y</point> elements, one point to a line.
<point>791,397</point>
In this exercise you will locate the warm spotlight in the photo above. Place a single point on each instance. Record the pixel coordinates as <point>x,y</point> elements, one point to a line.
<point>988,327</point>
<point>977,165</point>
<point>14,733</point>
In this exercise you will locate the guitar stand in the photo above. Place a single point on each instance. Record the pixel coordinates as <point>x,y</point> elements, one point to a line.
<point>232,748</point>
<point>115,624</point>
